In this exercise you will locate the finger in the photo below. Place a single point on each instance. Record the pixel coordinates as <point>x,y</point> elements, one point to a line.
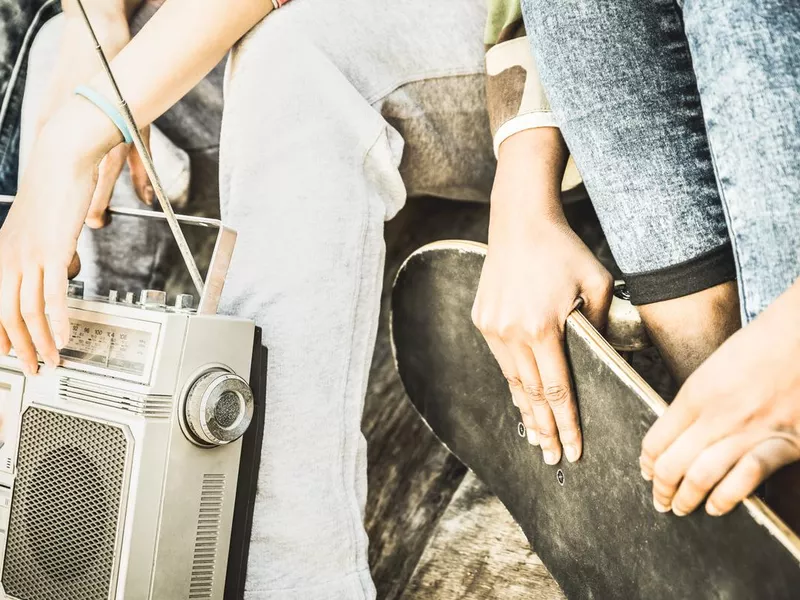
<point>32,308</point>
<point>139,177</point>
<point>554,371</point>
<point>751,470</point>
<point>596,300</point>
<point>108,173</point>
<point>11,317</point>
<point>680,415</point>
<point>509,369</point>
<point>707,471</point>
<point>74,268</point>
<point>546,430</point>
<point>55,299</point>
<point>5,343</point>
<point>672,464</point>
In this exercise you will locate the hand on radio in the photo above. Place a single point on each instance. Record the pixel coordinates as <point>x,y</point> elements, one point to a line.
<point>39,237</point>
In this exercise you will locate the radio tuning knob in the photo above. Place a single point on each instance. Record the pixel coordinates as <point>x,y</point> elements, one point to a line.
<point>113,296</point>
<point>153,299</point>
<point>129,298</point>
<point>184,302</point>
<point>75,289</point>
<point>218,408</point>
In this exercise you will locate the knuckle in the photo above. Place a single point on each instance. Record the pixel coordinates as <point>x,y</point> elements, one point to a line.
<point>513,381</point>
<point>536,394</point>
<point>537,332</point>
<point>557,394</point>
<point>665,472</point>
<point>753,468</point>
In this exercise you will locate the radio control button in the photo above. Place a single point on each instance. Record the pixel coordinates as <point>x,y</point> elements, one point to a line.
<point>153,299</point>
<point>218,408</point>
<point>75,289</point>
<point>184,302</point>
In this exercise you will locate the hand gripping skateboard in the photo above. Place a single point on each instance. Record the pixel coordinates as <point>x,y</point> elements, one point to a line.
<point>592,523</point>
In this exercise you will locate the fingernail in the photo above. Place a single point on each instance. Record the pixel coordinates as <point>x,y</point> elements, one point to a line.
<point>678,512</point>
<point>550,457</point>
<point>514,401</point>
<point>59,342</point>
<point>533,439</point>
<point>646,476</point>
<point>571,452</point>
<point>660,507</point>
<point>713,510</point>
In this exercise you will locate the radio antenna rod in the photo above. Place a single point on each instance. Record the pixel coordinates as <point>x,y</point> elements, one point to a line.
<point>147,159</point>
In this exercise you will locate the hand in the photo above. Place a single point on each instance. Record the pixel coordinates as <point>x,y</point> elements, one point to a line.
<point>39,237</point>
<point>536,272</point>
<point>77,62</point>
<point>735,421</point>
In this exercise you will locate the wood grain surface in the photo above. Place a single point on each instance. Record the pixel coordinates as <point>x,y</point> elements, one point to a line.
<point>478,552</point>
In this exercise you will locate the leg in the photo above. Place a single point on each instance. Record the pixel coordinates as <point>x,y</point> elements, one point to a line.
<point>746,56</point>
<point>317,98</point>
<point>630,112</point>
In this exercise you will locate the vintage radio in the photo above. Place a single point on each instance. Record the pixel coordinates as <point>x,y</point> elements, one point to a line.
<point>119,469</point>
<point>122,471</point>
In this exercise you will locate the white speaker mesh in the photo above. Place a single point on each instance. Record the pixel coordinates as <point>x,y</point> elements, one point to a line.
<point>62,538</point>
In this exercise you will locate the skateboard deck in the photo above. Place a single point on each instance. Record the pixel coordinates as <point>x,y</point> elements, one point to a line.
<point>592,523</point>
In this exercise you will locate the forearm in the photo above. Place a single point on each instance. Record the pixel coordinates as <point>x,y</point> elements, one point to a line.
<point>530,168</point>
<point>175,50</point>
<point>110,9</point>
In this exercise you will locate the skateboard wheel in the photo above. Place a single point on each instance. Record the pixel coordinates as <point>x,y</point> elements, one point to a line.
<point>521,430</point>
<point>560,477</point>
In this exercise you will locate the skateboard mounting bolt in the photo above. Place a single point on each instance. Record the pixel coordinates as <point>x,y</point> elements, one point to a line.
<point>560,476</point>
<point>521,430</point>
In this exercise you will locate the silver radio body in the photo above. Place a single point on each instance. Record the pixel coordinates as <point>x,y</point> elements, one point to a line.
<point>117,473</point>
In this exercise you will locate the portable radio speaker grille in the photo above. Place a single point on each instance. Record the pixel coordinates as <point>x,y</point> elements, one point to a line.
<point>71,475</point>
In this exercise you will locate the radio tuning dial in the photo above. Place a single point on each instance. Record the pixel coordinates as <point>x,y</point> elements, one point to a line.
<point>218,408</point>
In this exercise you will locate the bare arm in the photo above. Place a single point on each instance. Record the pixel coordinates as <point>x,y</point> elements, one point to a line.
<point>174,51</point>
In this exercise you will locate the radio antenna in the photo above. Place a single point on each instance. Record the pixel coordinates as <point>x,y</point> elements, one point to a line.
<point>147,159</point>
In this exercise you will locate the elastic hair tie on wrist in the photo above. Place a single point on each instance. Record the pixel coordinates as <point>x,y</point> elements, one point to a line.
<point>109,109</point>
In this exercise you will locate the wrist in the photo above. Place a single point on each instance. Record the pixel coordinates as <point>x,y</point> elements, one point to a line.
<point>83,133</point>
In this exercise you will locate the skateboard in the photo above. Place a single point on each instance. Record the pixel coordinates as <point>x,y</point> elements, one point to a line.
<point>592,523</point>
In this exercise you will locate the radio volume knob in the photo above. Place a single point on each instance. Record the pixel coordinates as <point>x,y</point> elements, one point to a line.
<point>219,408</point>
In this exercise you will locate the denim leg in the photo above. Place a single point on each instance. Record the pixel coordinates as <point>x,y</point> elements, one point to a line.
<point>19,23</point>
<point>620,81</point>
<point>746,57</point>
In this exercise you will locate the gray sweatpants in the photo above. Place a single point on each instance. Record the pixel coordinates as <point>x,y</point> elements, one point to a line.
<point>319,102</point>
<point>334,112</point>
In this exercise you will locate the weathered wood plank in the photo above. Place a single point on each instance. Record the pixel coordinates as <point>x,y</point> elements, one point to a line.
<point>412,478</point>
<point>478,552</point>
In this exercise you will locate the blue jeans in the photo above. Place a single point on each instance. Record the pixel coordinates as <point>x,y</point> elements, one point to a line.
<point>684,119</point>
<point>21,19</point>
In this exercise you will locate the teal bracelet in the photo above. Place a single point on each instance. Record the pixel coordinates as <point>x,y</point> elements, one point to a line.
<point>109,109</point>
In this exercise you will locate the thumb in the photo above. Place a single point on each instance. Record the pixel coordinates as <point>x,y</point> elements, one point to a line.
<point>74,267</point>
<point>107,175</point>
<point>596,299</point>
<point>141,182</point>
